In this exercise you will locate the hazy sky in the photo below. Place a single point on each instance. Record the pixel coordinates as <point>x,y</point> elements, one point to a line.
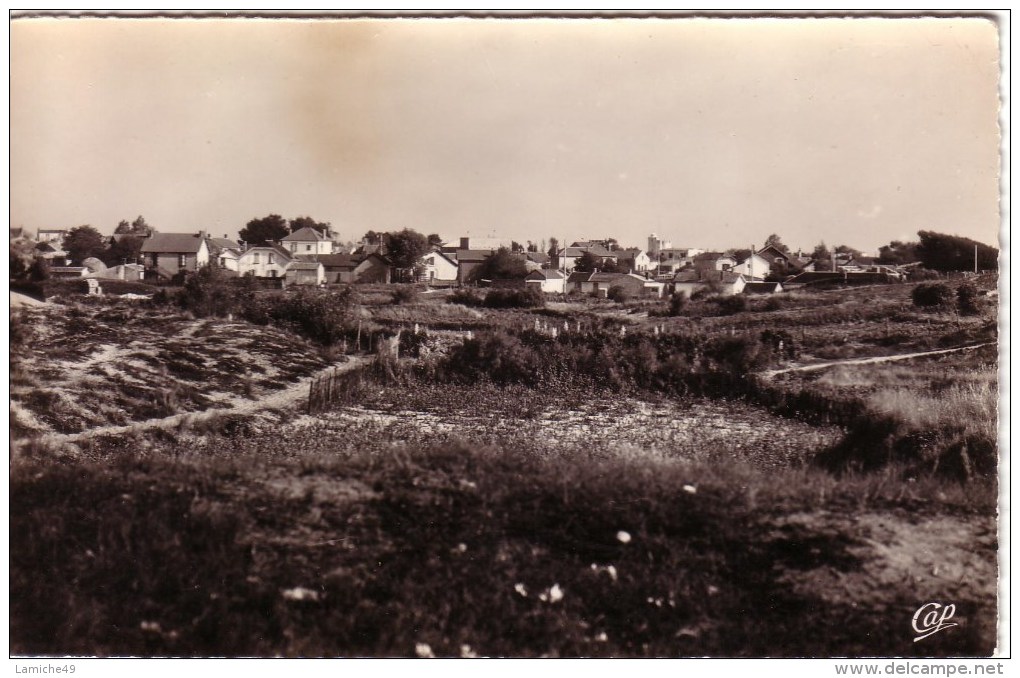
<point>711,133</point>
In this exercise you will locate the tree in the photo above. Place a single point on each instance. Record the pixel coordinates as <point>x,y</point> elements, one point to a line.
<point>83,242</point>
<point>405,248</point>
<point>740,254</point>
<point>822,257</point>
<point>500,265</point>
<point>532,247</point>
<point>898,252</point>
<point>516,247</point>
<point>586,263</point>
<point>139,227</point>
<point>435,240</point>
<point>264,231</point>
<point>554,247</point>
<point>373,238</point>
<point>941,252</point>
<point>19,267</point>
<point>933,295</point>
<point>122,227</point>
<point>846,249</point>
<point>775,241</point>
<point>308,222</point>
<point>126,249</point>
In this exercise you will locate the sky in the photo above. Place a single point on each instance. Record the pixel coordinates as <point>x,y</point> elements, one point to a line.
<point>711,133</point>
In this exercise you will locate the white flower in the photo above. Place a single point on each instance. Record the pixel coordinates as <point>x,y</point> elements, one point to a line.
<point>601,637</point>
<point>690,489</point>
<point>467,653</point>
<point>151,626</point>
<point>300,593</point>
<point>623,537</point>
<point>423,651</point>
<point>521,589</point>
<point>553,595</point>
<point>612,572</point>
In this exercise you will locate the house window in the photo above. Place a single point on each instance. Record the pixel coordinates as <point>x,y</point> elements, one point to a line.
<point>272,273</point>
<point>271,259</point>
<point>293,247</point>
<point>182,260</point>
<point>308,248</point>
<point>255,258</point>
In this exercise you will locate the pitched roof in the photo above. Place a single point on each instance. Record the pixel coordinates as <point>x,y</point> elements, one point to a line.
<point>473,255</point>
<point>724,277</point>
<point>224,243</point>
<point>711,256</point>
<point>771,253</point>
<point>579,276</point>
<point>595,250</point>
<point>274,249</point>
<point>538,257</point>
<point>304,234</point>
<point>599,277</point>
<point>303,266</point>
<point>547,273</point>
<point>172,243</point>
<point>761,287</point>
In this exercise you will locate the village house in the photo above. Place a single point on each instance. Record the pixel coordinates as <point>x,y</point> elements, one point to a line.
<point>754,267</point>
<point>360,267</point>
<point>439,268</point>
<point>720,282</point>
<point>547,280</point>
<point>468,261</point>
<point>567,257</point>
<point>634,260</point>
<point>52,235</point>
<point>713,261</point>
<point>598,284</point>
<point>263,261</point>
<point>305,273</point>
<point>307,240</point>
<point>168,254</point>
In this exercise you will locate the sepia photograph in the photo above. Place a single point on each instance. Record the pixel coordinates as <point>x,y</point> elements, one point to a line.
<point>508,336</point>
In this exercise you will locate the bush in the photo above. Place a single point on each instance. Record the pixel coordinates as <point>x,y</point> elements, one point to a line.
<point>208,292</point>
<point>323,317</point>
<point>618,294</point>
<point>728,305</point>
<point>466,298</point>
<point>404,295</point>
<point>932,295</point>
<point>967,299</point>
<point>511,298</point>
<point>678,303</point>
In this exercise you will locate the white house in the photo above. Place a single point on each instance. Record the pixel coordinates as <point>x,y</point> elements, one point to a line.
<point>307,240</point>
<point>439,267</point>
<point>754,267</point>
<point>263,262</point>
<point>548,280</point>
<point>722,282</point>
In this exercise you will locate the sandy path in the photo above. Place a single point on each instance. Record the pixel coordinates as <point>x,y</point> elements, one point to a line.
<point>277,400</point>
<point>769,374</point>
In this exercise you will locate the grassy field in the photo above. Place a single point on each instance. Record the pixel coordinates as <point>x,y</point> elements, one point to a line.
<point>422,517</point>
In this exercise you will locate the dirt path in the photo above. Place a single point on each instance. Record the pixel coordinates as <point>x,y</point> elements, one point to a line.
<point>277,400</point>
<point>769,374</point>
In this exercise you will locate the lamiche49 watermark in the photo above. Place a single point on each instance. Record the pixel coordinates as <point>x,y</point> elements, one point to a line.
<point>44,668</point>
<point>931,618</point>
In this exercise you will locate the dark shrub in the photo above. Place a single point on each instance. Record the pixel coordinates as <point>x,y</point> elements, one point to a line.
<point>677,303</point>
<point>932,295</point>
<point>618,294</point>
<point>405,294</point>
<point>728,305</point>
<point>323,317</point>
<point>208,292</point>
<point>967,299</point>
<point>510,298</point>
<point>466,298</point>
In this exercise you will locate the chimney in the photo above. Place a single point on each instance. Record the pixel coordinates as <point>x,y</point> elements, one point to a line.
<point>202,235</point>
<point>465,243</point>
